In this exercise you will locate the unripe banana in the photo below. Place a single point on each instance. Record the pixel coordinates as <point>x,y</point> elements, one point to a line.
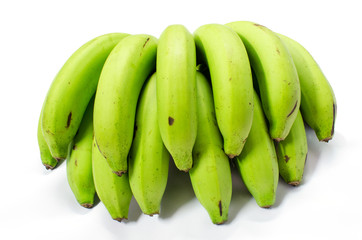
<point>224,53</point>
<point>211,175</point>
<point>176,93</point>
<point>113,191</point>
<point>79,161</point>
<point>46,157</point>
<point>120,83</point>
<point>292,153</point>
<point>148,159</point>
<point>318,106</point>
<point>257,163</point>
<point>71,90</point>
<point>276,75</point>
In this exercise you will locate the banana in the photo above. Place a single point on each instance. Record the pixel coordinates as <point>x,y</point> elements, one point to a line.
<point>224,53</point>
<point>113,191</point>
<point>211,175</point>
<point>120,83</point>
<point>148,158</point>
<point>46,157</point>
<point>71,91</point>
<point>79,161</point>
<point>176,93</point>
<point>257,163</point>
<point>292,153</point>
<point>318,106</point>
<point>276,75</point>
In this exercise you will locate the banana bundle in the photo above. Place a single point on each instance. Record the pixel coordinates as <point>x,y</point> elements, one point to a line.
<point>123,105</point>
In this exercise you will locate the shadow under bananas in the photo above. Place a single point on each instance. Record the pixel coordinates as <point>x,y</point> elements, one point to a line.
<point>178,191</point>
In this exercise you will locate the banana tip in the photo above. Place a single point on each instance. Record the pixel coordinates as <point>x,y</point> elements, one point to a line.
<point>87,205</point>
<point>49,167</point>
<point>231,156</point>
<point>326,139</point>
<point>294,183</point>
<point>119,219</point>
<point>266,206</point>
<point>119,173</point>
<point>152,214</point>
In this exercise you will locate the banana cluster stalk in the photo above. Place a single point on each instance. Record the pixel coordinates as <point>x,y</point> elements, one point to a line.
<point>211,175</point>
<point>148,159</point>
<point>176,93</point>
<point>123,106</point>
<point>276,75</point>
<point>79,161</point>
<point>126,69</point>
<point>223,52</point>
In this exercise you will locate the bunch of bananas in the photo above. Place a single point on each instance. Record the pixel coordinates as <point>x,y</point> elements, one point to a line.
<point>123,105</point>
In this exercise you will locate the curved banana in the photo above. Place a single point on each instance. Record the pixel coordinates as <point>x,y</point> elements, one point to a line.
<point>148,158</point>
<point>79,161</point>
<point>292,153</point>
<point>120,83</point>
<point>257,163</point>
<point>71,91</point>
<point>46,157</point>
<point>211,175</point>
<point>113,191</point>
<point>276,75</point>
<point>318,106</point>
<point>176,93</point>
<point>227,59</point>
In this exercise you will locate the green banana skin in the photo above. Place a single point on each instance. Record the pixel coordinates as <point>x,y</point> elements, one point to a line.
<point>211,175</point>
<point>148,159</point>
<point>318,106</point>
<point>46,157</point>
<point>276,75</point>
<point>224,53</point>
<point>176,93</point>
<point>257,163</point>
<point>79,161</point>
<point>113,191</point>
<point>126,69</point>
<point>292,153</point>
<point>71,91</point>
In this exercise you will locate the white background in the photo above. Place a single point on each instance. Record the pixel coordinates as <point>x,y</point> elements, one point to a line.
<point>36,39</point>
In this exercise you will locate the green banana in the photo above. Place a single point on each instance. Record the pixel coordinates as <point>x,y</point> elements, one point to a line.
<point>318,106</point>
<point>113,191</point>
<point>71,91</point>
<point>292,153</point>
<point>148,158</point>
<point>46,157</point>
<point>176,93</point>
<point>224,53</point>
<point>79,161</point>
<point>257,163</point>
<point>211,175</point>
<point>276,75</point>
<point>121,80</point>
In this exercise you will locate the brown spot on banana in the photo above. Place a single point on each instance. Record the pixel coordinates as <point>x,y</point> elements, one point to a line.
<point>295,106</point>
<point>76,163</point>
<point>286,158</point>
<point>170,121</point>
<point>148,39</point>
<point>69,120</point>
<point>220,208</point>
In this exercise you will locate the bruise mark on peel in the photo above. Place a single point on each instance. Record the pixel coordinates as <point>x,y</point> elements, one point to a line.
<point>170,121</point>
<point>99,148</point>
<point>295,106</point>
<point>76,163</point>
<point>74,147</point>
<point>148,39</point>
<point>278,51</point>
<point>69,120</point>
<point>220,208</point>
<point>286,158</point>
